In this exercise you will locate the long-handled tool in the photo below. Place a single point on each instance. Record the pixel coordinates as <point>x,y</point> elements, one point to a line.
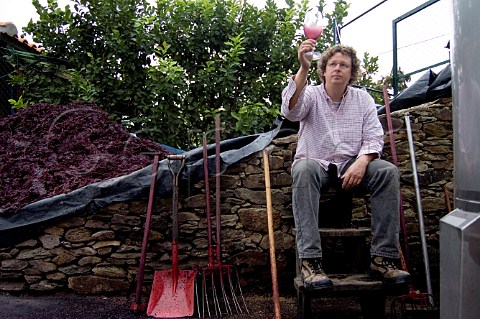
<point>173,291</point>
<point>137,305</point>
<point>208,273</point>
<point>395,162</point>
<point>447,200</point>
<point>419,208</point>
<point>271,236</point>
<point>223,272</point>
<point>229,270</point>
<point>414,300</point>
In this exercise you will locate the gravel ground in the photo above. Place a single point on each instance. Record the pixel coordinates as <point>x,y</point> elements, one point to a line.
<point>69,306</point>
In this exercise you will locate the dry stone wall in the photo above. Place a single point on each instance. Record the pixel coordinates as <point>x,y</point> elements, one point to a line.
<point>100,253</point>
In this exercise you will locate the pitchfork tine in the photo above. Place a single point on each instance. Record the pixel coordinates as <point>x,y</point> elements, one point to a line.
<point>232,291</point>
<point>204,296</point>
<point>239,287</point>
<point>209,274</point>
<point>218,309</point>
<point>225,297</point>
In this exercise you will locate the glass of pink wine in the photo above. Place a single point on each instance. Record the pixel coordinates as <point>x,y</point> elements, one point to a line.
<point>313,28</point>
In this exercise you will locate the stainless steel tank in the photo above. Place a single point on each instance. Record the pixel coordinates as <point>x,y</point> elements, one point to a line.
<point>460,229</point>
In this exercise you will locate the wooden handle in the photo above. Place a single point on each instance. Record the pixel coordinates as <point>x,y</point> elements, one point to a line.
<point>447,200</point>
<point>271,237</point>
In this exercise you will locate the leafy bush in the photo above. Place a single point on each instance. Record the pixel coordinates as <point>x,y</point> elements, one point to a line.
<point>165,71</point>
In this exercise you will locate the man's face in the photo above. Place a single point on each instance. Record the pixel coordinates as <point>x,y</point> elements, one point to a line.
<point>338,70</point>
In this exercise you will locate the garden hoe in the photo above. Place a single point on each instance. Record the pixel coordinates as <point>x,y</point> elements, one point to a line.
<point>173,291</point>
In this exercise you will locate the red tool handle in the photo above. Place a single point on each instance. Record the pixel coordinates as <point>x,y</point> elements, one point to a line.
<point>207,201</point>
<point>395,162</point>
<point>141,268</point>
<point>217,186</point>
<point>174,266</point>
<point>175,177</point>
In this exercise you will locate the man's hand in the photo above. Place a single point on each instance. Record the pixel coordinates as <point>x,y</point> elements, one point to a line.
<point>306,46</point>
<point>354,174</point>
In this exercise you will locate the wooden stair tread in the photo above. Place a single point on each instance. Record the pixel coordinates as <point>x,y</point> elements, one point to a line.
<point>344,282</point>
<point>345,232</point>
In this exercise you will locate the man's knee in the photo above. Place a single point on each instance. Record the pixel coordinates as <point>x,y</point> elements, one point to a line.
<point>304,172</point>
<point>390,170</point>
<point>384,170</point>
<point>304,168</point>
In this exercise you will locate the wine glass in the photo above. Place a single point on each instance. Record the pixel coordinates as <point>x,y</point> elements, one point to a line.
<point>313,28</point>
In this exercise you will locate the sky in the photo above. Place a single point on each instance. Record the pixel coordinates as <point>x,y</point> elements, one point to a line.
<point>421,39</point>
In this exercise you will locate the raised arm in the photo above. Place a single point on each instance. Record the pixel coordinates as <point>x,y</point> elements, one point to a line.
<point>302,73</point>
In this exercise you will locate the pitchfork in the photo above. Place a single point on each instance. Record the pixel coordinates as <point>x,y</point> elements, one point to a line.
<point>218,276</point>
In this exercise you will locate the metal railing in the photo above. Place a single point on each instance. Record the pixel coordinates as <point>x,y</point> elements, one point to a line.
<point>418,50</point>
<point>424,27</point>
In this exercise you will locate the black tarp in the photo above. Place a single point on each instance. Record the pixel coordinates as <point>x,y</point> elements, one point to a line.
<point>427,88</point>
<point>30,219</point>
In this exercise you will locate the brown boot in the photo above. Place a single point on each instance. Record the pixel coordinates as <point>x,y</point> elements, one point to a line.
<point>386,270</point>
<point>313,274</point>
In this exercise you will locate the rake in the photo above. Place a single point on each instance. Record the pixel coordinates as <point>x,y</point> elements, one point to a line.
<point>219,284</point>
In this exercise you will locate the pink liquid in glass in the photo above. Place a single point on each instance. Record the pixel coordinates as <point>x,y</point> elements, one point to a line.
<point>313,32</point>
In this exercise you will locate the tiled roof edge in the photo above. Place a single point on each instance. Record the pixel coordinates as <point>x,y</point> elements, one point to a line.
<point>11,30</point>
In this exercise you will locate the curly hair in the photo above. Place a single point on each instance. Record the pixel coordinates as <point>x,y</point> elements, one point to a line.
<point>343,49</point>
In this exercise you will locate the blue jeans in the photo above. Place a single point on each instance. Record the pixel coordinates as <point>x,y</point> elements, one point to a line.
<point>381,180</point>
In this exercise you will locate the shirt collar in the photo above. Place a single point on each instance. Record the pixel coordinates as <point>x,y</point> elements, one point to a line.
<point>324,92</point>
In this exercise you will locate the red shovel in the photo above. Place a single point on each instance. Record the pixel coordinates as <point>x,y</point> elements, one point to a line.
<point>173,291</point>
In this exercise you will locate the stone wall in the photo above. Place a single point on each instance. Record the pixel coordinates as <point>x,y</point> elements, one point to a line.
<point>100,253</point>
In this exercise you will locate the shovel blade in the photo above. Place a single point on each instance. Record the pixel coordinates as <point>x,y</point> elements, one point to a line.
<point>165,302</point>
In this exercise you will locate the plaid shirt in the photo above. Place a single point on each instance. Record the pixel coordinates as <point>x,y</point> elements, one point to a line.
<point>330,135</point>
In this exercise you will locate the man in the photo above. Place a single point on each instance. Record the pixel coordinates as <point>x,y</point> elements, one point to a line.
<point>340,139</point>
